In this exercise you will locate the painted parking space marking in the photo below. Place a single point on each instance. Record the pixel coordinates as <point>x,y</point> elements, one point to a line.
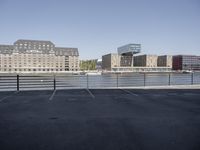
<point>129,92</point>
<point>92,95</point>
<point>51,98</point>
<point>4,98</point>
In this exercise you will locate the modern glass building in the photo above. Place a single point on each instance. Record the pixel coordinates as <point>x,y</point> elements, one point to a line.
<point>129,49</point>
<point>127,52</point>
<point>186,62</point>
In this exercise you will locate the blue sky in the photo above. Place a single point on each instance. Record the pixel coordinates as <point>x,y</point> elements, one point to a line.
<point>98,27</point>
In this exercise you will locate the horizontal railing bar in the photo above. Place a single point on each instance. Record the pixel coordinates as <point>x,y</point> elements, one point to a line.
<point>35,78</point>
<point>7,84</point>
<point>70,83</point>
<point>24,84</point>
<point>8,79</point>
<point>70,86</point>
<point>22,81</point>
<point>10,87</point>
<point>8,76</point>
<point>36,87</point>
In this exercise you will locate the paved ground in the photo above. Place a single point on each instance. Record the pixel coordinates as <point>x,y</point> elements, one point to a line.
<point>100,119</point>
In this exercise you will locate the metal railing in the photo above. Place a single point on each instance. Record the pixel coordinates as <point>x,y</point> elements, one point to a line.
<point>53,82</point>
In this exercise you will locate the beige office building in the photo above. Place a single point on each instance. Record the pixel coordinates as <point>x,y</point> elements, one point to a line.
<point>165,61</point>
<point>145,61</point>
<point>110,60</point>
<point>37,56</point>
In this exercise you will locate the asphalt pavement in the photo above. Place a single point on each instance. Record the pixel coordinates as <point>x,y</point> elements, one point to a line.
<point>111,119</point>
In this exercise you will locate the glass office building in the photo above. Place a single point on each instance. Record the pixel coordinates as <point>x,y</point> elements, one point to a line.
<point>126,52</point>
<point>129,49</point>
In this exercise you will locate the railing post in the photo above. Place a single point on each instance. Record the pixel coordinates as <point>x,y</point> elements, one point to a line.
<point>54,82</point>
<point>117,80</point>
<point>144,79</point>
<point>17,82</point>
<point>192,78</point>
<point>87,82</point>
<point>169,81</point>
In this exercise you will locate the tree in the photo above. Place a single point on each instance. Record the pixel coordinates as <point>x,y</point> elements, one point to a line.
<point>88,65</point>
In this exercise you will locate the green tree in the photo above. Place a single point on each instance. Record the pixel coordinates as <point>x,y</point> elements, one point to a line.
<point>88,65</point>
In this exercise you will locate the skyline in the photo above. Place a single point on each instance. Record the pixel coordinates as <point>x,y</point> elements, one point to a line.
<point>97,28</point>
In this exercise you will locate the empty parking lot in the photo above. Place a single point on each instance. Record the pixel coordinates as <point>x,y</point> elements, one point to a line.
<point>100,119</point>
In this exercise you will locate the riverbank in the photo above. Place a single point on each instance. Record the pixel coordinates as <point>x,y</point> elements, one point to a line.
<point>93,73</point>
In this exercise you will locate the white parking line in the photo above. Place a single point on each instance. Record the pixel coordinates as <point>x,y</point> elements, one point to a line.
<point>90,93</point>
<point>51,98</point>
<point>2,99</point>
<point>129,92</point>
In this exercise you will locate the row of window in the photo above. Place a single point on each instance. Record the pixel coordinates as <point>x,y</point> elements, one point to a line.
<point>31,44</point>
<point>35,64</point>
<point>35,55</point>
<point>39,48</point>
<point>34,59</point>
<point>42,70</point>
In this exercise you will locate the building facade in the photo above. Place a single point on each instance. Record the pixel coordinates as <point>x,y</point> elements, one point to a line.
<point>37,56</point>
<point>145,61</point>
<point>186,62</point>
<point>127,54</point>
<point>110,60</point>
<point>164,61</point>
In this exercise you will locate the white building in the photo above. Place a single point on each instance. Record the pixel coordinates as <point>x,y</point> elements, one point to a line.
<point>37,56</point>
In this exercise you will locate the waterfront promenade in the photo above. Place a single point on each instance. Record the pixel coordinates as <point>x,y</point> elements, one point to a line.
<point>115,119</point>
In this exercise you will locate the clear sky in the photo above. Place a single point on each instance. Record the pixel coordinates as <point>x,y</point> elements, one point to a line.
<point>98,27</point>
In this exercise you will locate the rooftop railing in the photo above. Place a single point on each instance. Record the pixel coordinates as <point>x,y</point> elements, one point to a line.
<point>53,82</point>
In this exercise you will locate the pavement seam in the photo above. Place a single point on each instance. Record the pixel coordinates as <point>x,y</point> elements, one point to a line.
<point>129,92</point>
<point>90,93</point>
<point>2,99</point>
<point>51,98</point>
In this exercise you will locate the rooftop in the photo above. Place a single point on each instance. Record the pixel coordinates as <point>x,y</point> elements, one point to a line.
<point>100,119</point>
